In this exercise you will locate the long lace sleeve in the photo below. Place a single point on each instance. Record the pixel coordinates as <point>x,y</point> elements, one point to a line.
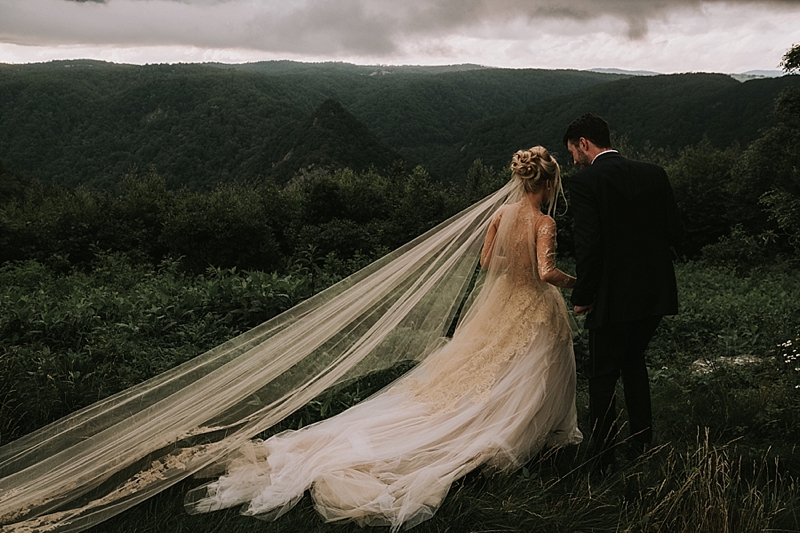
<point>546,254</point>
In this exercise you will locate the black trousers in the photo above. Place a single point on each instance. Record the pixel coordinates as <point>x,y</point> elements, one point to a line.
<point>617,350</point>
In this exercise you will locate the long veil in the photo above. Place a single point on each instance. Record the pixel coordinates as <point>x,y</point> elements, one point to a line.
<point>109,456</point>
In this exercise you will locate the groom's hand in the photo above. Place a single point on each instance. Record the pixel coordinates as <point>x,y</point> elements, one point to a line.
<point>581,310</point>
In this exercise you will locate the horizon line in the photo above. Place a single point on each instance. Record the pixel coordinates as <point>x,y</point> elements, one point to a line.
<point>602,70</point>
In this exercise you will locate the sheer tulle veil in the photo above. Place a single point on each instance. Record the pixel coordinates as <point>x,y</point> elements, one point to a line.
<point>109,456</point>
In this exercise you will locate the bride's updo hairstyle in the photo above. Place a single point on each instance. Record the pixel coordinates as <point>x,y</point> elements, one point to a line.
<point>535,169</point>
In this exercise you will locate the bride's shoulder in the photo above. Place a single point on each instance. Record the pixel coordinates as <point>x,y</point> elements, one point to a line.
<point>511,207</point>
<point>545,222</point>
<point>505,208</point>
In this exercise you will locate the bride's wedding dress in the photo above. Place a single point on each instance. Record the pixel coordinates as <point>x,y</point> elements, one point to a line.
<point>499,391</point>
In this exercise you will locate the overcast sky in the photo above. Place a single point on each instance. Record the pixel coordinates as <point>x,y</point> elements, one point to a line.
<point>659,35</point>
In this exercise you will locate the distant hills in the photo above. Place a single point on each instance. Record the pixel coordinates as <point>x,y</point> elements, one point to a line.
<point>757,74</point>
<point>331,138</point>
<point>744,76</point>
<point>764,73</point>
<point>667,112</point>
<point>90,122</point>
<point>626,72</point>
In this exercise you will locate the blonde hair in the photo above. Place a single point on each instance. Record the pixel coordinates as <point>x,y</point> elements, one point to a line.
<point>535,169</point>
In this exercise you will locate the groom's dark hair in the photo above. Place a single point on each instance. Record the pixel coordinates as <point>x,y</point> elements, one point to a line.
<point>591,127</point>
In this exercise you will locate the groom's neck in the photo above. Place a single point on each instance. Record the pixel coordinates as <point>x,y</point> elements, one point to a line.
<point>604,151</point>
<point>593,151</point>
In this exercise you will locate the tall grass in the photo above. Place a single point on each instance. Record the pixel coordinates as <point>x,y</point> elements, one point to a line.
<point>706,488</point>
<point>726,426</point>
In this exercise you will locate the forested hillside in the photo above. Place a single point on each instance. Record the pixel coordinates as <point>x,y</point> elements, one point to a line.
<point>349,159</point>
<point>88,122</point>
<point>332,138</point>
<point>662,112</point>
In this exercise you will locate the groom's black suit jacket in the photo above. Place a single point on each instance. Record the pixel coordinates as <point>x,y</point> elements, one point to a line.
<point>626,221</point>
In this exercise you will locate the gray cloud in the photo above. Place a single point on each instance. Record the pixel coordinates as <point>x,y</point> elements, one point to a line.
<point>321,27</point>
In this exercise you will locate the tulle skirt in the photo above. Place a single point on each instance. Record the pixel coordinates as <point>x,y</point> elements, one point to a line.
<point>497,393</point>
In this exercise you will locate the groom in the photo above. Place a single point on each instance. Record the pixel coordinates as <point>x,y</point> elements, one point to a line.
<point>626,221</point>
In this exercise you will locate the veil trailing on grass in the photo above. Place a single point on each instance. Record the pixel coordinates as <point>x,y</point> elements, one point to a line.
<point>107,457</point>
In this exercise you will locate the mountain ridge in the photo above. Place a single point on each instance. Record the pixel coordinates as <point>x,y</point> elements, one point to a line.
<point>89,123</point>
<point>666,112</point>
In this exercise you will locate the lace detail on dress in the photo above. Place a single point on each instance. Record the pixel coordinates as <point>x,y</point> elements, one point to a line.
<point>458,377</point>
<point>546,246</point>
<point>515,306</point>
<point>546,253</point>
<point>158,471</point>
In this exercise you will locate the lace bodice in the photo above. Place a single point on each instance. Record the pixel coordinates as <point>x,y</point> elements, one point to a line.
<point>524,245</point>
<point>518,303</point>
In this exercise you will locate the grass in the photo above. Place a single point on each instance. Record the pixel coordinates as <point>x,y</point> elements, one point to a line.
<point>725,459</point>
<point>700,488</point>
<point>699,478</point>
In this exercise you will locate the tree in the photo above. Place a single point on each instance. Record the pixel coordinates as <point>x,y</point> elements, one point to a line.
<point>701,176</point>
<point>791,59</point>
<point>483,180</point>
<point>782,201</point>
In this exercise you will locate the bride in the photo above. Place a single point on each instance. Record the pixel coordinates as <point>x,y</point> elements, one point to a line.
<point>501,390</point>
<point>496,393</point>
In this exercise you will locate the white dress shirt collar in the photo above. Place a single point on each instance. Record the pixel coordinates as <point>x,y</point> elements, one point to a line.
<point>604,152</point>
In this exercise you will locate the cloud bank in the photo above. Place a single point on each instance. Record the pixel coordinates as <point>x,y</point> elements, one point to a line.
<point>371,29</point>
<point>310,26</point>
